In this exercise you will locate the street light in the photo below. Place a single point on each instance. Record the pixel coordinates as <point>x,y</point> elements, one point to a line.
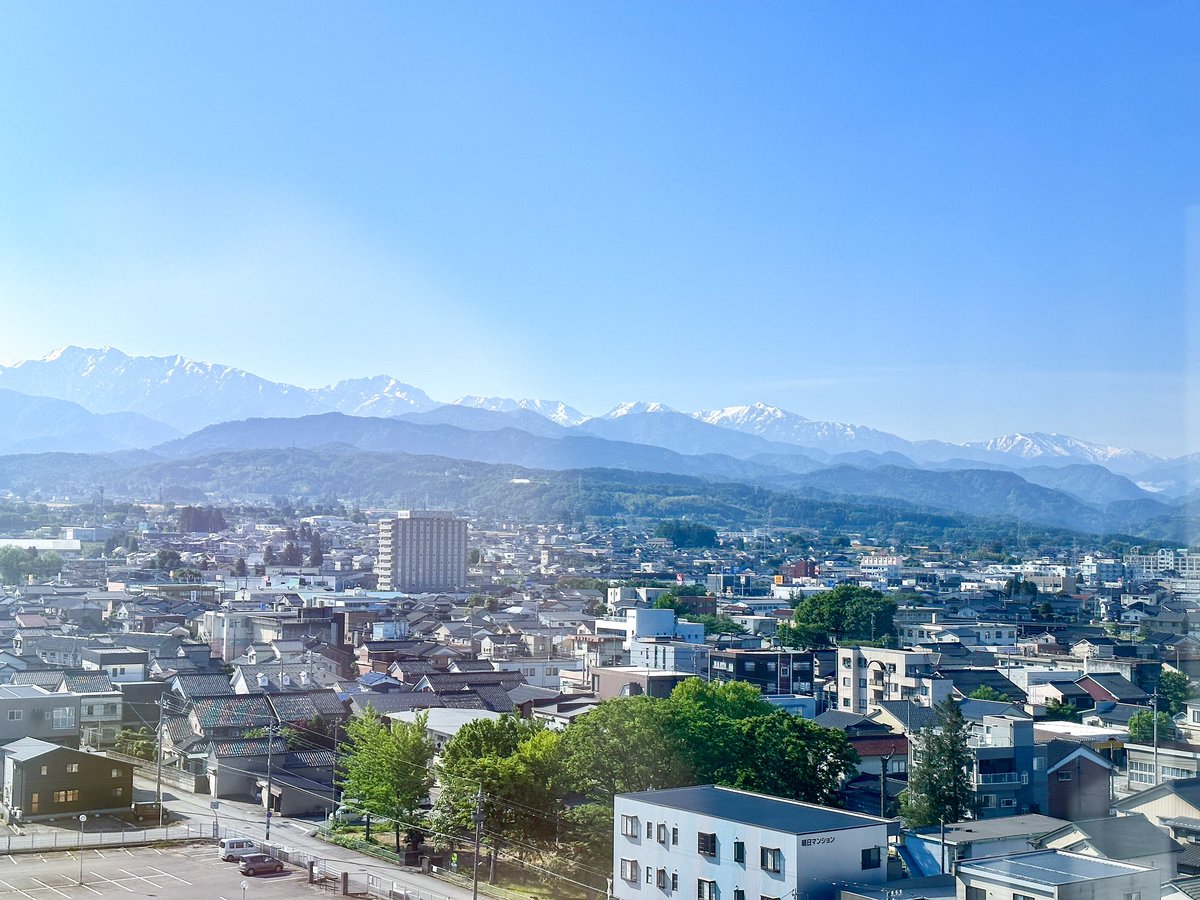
<point>82,819</point>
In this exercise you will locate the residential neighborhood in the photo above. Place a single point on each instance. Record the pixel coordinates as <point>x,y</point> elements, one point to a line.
<point>201,657</point>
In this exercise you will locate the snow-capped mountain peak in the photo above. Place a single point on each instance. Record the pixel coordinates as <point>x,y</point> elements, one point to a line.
<point>554,410</point>
<point>635,407</point>
<point>1038,446</point>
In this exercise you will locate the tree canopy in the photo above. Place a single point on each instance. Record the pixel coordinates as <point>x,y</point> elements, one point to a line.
<point>939,783</point>
<point>384,768</point>
<point>847,612</point>
<point>1174,691</point>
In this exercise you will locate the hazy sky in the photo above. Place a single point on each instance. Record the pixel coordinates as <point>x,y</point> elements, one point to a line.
<point>946,219</point>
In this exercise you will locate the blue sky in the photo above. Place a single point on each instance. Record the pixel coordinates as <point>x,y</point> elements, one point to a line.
<point>947,220</point>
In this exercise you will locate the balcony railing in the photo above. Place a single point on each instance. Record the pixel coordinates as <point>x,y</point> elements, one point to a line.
<point>997,777</point>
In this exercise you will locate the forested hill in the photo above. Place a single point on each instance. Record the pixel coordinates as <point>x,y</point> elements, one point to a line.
<point>494,491</point>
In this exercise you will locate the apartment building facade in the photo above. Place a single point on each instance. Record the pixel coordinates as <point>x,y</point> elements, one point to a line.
<point>422,551</point>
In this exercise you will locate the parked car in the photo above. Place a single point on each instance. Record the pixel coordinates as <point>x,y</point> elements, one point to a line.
<point>235,848</point>
<point>254,863</point>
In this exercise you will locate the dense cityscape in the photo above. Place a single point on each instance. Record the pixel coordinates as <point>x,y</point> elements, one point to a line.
<point>388,679</point>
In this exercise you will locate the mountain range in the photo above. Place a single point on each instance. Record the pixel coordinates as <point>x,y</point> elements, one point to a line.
<point>79,400</point>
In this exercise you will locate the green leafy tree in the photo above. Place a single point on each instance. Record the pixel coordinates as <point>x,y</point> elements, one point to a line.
<point>269,555</point>
<point>788,756</point>
<point>1142,727</point>
<point>939,783</point>
<point>316,555</point>
<point>1174,691</point>
<point>1056,710</point>
<point>987,692</point>
<point>19,564</point>
<point>717,624</point>
<point>137,742</point>
<point>626,744</point>
<point>167,559</point>
<point>848,612</point>
<point>385,768</point>
<point>292,555</point>
<point>239,568</point>
<point>687,534</point>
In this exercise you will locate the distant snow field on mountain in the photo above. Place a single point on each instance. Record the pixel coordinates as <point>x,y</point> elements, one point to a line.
<point>161,397</point>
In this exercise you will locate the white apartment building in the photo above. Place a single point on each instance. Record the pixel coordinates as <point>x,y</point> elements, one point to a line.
<point>717,843</point>
<point>973,634</point>
<point>1182,562</point>
<point>422,551</point>
<point>865,676</point>
<point>649,624</point>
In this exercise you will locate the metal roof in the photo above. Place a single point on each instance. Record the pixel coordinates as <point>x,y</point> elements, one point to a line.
<point>1048,867</point>
<point>775,813</point>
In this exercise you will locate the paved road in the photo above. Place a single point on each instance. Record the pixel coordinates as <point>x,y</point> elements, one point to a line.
<point>298,834</point>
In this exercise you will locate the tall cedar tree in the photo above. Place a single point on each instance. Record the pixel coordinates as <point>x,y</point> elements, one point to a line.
<point>939,782</point>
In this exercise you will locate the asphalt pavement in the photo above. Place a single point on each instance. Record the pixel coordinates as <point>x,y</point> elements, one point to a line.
<point>298,834</point>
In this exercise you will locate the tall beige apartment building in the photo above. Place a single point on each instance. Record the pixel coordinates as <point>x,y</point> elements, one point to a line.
<point>422,550</point>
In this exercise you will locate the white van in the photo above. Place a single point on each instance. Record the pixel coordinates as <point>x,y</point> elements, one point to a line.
<point>235,848</point>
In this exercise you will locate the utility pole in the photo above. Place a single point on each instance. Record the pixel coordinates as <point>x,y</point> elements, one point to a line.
<point>270,799</point>
<point>1154,724</point>
<point>886,762</point>
<point>478,817</point>
<point>158,742</point>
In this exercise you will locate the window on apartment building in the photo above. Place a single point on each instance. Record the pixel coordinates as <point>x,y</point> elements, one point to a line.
<point>674,881</point>
<point>649,831</point>
<point>116,773</point>
<point>739,894</point>
<point>72,768</point>
<point>1008,803</point>
<point>660,879</point>
<point>845,662</point>
<point>706,843</point>
<point>739,851</point>
<point>45,770</point>
<point>1133,895</point>
<point>987,801</point>
<point>63,717</point>
<point>674,836</point>
<point>15,715</point>
<point>1064,776</point>
<point>117,792</point>
<point>110,709</point>
<point>1038,764</point>
<point>662,833</point>
<point>870,858</point>
<point>770,859</point>
<point>629,825</point>
<point>629,869</point>
<point>649,875</point>
<point>976,893</point>
<point>1022,897</point>
<point>66,796</point>
<point>706,890</point>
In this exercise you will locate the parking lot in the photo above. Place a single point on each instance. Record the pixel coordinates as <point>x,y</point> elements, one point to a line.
<point>183,872</point>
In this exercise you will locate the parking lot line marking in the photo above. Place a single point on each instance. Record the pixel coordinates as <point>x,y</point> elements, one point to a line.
<point>47,886</point>
<point>168,874</point>
<point>98,853</point>
<point>156,850</point>
<point>11,860</point>
<point>110,881</point>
